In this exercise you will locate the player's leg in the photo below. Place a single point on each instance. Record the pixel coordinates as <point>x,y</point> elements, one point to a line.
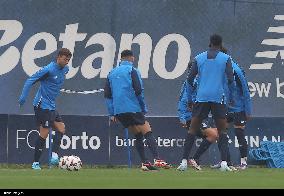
<point>59,126</point>
<point>200,111</point>
<point>130,121</point>
<point>239,127</point>
<point>219,112</point>
<point>146,130</point>
<point>43,121</point>
<point>210,136</point>
<point>139,144</point>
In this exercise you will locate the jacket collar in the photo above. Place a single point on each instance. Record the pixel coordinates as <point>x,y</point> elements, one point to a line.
<point>125,63</point>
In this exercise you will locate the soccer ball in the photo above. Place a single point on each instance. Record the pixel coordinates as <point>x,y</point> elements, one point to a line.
<point>71,163</point>
<point>63,162</point>
<point>74,163</point>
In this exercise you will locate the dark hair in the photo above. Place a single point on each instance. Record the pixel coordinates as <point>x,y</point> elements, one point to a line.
<point>215,40</point>
<point>126,53</point>
<point>224,50</point>
<point>65,52</point>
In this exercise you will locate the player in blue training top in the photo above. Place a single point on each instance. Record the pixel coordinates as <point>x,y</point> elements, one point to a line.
<point>240,111</point>
<point>207,131</point>
<point>215,77</point>
<point>124,95</point>
<point>51,78</point>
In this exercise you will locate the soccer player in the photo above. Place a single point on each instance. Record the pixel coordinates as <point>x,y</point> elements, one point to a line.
<point>51,78</point>
<point>215,76</point>
<point>240,111</point>
<point>124,95</point>
<point>209,134</point>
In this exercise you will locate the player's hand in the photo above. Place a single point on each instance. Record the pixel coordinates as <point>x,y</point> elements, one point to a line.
<point>183,123</point>
<point>113,119</point>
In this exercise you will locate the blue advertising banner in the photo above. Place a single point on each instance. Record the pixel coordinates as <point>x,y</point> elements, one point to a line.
<point>3,137</point>
<point>97,143</point>
<point>85,136</point>
<point>164,35</point>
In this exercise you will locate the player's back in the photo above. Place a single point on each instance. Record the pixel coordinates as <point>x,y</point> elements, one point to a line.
<point>211,77</point>
<point>124,98</point>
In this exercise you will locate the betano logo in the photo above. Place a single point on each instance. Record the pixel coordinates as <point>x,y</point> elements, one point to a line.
<point>12,56</point>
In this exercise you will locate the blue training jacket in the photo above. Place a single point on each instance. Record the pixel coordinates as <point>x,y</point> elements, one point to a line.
<point>51,79</point>
<point>212,79</point>
<point>187,95</point>
<point>242,100</point>
<point>124,91</point>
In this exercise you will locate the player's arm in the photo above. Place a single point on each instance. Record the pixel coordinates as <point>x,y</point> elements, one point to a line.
<point>39,75</point>
<point>108,97</point>
<point>183,109</point>
<point>230,77</point>
<point>246,93</point>
<point>192,73</point>
<point>138,89</point>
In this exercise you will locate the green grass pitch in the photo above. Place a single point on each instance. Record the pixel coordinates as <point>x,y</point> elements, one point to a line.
<point>135,178</point>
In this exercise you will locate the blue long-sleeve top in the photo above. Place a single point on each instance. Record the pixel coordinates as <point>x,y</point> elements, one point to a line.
<point>51,78</point>
<point>242,100</point>
<point>124,91</point>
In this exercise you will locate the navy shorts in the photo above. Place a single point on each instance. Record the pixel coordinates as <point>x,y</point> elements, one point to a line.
<point>238,118</point>
<point>131,119</point>
<point>46,118</point>
<point>199,133</point>
<point>202,109</point>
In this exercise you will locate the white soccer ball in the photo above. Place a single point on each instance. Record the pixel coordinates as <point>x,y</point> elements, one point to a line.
<point>63,162</point>
<point>74,163</point>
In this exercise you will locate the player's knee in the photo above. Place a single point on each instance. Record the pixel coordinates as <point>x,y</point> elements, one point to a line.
<point>62,128</point>
<point>212,136</point>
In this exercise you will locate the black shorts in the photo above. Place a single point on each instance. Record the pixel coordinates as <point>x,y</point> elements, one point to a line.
<point>131,119</point>
<point>202,109</point>
<point>199,133</point>
<point>238,118</point>
<point>45,117</point>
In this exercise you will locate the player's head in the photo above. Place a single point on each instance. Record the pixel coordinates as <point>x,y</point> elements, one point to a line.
<point>215,41</point>
<point>127,55</point>
<point>63,57</point>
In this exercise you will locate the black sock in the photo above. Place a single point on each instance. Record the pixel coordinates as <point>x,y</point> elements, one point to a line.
<point>202,148</point>
<point>152,144</point>
<point>223,146</point>
<point>189,140</point>
<point>229,158</point>
<point>57,141</point>
<point>38,148</point>
<point>243,146</point>
<point>140,147</point>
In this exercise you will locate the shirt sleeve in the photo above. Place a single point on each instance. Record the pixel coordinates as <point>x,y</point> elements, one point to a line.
<point>136,82</point>
<point>39,75</point>
<point>108,97</point>
<point>192,72</point>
